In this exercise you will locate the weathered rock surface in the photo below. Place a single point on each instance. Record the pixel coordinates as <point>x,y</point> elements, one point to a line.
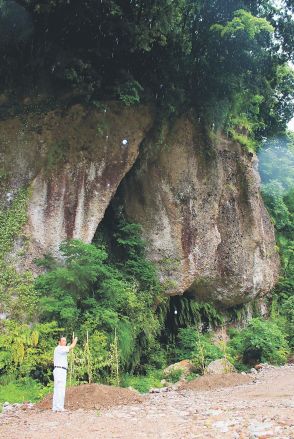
<point>184,366</point>
<point>73,160</point>
<point>203,217</point>
<point>200,207</point>
<point>219,367</point>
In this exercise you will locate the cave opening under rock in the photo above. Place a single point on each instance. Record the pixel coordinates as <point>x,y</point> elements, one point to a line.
<point>177,311</point>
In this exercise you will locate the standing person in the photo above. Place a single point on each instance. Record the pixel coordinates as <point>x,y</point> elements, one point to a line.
<point>59,372</point>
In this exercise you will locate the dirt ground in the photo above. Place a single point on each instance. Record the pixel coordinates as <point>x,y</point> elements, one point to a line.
<point>94,396</point>
<point>261,408</point>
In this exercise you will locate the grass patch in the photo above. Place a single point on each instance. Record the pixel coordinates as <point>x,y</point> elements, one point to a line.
<point>143,383</point>
<point>20,391</point>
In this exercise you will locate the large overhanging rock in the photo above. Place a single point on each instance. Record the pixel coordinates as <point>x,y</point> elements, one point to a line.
<point>200,206</point>
<point>73,160</point>
<point>203,217</point>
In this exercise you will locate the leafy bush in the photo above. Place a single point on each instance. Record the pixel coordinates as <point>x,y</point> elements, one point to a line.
<point>88,291</point>
<point>174,375</point>
<point>129,92</point>
<point>22,390</point>
<point>143,383</point>
<point>192,376</point>
<point>27,351</point>
<point>277,172</point>
<point>197,347</point>
<point>17,295</point>
<point>287,310</point>
<point>260,341</point>
<point>12,220</point>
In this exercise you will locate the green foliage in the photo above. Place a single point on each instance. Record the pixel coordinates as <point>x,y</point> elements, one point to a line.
<point>129,92</point>
<point>192,376</point>
<point>277,172</point>
<point>114,361</point>
<point>90,292</point>
<point>182,312</point>
<point>56,156</point>
<point>174,375</point>
<point>87,362</point>
<point>178,54</point>
<point>244,119</point>
<point>67,286</point>
<point>132,257</point>
<point>260,341</point>
<point>243,23</point>
<point>143,383</point>
<point>287,310</point>
<point>27,351</point>
<point>197,347</point>
<point>22,390</point>
<point>12,220</point>
<point>18,298</point>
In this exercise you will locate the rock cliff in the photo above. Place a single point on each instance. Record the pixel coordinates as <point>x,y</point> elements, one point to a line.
<point>203,217</point>
<point>199,205</point>
<point>73,160</point>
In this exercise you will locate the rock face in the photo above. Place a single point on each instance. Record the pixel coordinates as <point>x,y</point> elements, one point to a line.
<point>219,367</point>
<point>73,160</point>
<point>184,366</point>
<point>203,218</point>
<point>199,206</point>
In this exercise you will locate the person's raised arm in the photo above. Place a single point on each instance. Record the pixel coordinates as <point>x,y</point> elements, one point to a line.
<point>74,342</point>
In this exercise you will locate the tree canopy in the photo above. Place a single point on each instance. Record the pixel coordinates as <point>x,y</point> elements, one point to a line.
<point>226,59</point>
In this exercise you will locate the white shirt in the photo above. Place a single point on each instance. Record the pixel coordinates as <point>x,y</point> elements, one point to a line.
<point>60,356</point>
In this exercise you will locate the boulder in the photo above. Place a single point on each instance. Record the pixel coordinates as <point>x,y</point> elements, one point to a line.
<point>198,201</point>
<point>203,217</point>
<point>185,366</point>
<point>219,367</point>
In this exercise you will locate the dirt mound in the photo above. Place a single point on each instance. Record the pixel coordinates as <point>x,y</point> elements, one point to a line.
<point>211,382</point>
<point>93,396</point>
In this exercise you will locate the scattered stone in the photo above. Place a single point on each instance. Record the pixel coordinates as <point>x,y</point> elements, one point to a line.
<point>261,411</point>
<point>261,366</point>
<point>260,429</point>
<point>223,426</point>
<point>9,196</point>
<point>213,412</point>
<point>159,389</point>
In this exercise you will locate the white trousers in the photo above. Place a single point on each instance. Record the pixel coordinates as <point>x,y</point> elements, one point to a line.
<point>59,389</point>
